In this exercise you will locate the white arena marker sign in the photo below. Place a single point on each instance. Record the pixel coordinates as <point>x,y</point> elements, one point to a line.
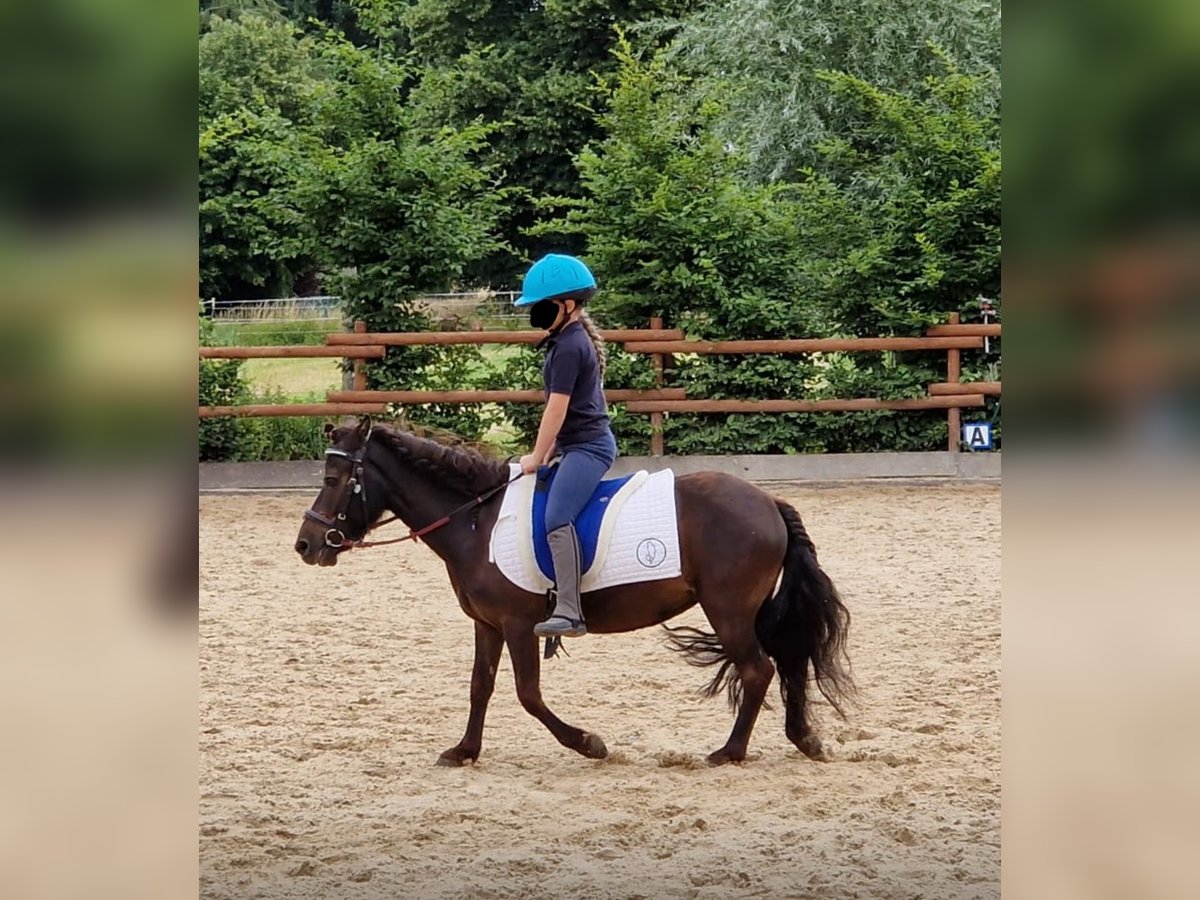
<point>977,435</point>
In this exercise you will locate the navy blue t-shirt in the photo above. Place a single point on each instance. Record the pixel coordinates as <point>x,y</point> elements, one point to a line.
<point>571,368</point>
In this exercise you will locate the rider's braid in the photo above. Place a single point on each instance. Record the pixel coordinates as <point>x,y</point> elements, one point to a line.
<point>597,341</point>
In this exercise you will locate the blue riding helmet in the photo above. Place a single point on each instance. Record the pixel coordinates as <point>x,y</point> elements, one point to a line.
<point>554,275</point>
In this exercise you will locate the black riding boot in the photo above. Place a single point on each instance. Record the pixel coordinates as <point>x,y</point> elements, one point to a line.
<point>567,618</point>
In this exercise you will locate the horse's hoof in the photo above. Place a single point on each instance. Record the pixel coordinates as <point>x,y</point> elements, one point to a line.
<point>810,746</point>
<point>455,756</point>
<point>723,756</point>
<point>593,747</point>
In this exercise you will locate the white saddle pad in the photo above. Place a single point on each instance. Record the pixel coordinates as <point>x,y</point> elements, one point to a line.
<point>639,537</point>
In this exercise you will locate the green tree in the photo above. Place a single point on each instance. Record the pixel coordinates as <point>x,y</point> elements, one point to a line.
<point>902,224</point>
<point>770,52</point>
<point>255,61</point>
<point>674,230</point>
<point>899,226</point>
<point>397,207</point>
<point>316,155</point>
<point>250,238</point>
<point>530,67</point>
<point>671,224</point>
<point>258,84</point>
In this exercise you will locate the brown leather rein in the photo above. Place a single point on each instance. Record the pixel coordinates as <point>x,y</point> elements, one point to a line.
<point>356,486</point>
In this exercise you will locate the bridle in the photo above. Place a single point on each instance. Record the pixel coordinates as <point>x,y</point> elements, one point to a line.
<point>357,486</point>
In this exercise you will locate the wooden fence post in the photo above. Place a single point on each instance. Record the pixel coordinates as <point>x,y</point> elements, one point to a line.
<point>360,369</point>
<point>656,418</point>
<point>953,376</point>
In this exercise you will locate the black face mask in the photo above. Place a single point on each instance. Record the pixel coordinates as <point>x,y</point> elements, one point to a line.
<point>543,313</point>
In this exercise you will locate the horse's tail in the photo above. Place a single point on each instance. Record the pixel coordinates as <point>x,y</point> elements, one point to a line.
<point>703,648</point>
<point>805,621</point>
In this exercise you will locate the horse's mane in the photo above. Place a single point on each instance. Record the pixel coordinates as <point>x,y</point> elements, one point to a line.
<point>460,464</point>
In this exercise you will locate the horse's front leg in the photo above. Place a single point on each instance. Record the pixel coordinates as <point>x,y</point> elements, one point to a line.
<point>488,644</point>
<point>523,651</point>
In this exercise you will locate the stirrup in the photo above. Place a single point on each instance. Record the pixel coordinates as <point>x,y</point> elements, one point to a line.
<point>552,627</point>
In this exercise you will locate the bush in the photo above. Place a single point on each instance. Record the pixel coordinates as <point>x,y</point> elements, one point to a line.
<point>279,438</point>
<point>220,385</point>
<point>232,439</point>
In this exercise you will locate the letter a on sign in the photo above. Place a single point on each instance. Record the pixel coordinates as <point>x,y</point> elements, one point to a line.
<point>977,435</point>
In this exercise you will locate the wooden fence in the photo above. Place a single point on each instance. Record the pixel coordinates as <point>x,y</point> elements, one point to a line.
<point>952,395</point>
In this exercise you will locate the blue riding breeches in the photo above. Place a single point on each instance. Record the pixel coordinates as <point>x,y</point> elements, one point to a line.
<point>580,471</point>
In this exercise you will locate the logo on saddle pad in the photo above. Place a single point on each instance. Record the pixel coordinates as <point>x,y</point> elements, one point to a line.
<point>627,533</point>
<point>651,553</point>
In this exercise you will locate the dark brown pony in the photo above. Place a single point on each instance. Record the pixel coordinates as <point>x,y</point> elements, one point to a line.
<point>735,542</point>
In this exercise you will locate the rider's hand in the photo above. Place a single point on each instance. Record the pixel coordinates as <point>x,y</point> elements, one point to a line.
<point>529,463</point>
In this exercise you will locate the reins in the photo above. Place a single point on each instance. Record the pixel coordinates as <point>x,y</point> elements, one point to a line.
<point>414,534</point>
<point>356,487</point>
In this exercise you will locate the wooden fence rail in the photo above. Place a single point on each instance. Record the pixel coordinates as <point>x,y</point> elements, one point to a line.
<point>407,339</point>
<point>955,329</point>
<point>295,409</point>
<point>807,345</point>
<point>615,395</point>
<point>789,406</point>
<point>947,388</point>
<point>292,352</point>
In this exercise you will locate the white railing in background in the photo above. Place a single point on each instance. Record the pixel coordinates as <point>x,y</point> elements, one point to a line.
<point>324,307</point>
<point>449,310</point>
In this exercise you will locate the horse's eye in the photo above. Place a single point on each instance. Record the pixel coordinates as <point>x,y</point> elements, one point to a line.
<point>330,481</point>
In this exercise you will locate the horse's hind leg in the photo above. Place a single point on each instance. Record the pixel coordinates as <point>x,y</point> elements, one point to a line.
<point>523,651</point>
<point>755,670</point>
<point>794,674</point>
<point>488,644</point>
<point>756,676</point>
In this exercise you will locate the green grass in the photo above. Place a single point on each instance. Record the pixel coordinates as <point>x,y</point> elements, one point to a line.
<point>498,354</point>
<point>494,358</point>
<point>297,379</point>
<point>503,437</point>
<point>307,380</point>
<point>274,332</point>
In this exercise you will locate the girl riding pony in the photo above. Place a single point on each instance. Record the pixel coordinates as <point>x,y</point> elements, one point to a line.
<point>575,420</point>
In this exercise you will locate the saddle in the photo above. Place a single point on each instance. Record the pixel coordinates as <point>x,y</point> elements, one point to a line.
<point>587,523</point>
<point>627,532</point>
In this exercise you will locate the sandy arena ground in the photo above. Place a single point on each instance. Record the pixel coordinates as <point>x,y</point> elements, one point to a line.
<point>327,694</point>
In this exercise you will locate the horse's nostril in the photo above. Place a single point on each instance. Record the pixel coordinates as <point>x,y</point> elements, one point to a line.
<point>302,546</point>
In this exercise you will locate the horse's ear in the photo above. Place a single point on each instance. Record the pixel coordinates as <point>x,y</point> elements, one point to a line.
<point>364,426</point>
<point>329,427</point>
